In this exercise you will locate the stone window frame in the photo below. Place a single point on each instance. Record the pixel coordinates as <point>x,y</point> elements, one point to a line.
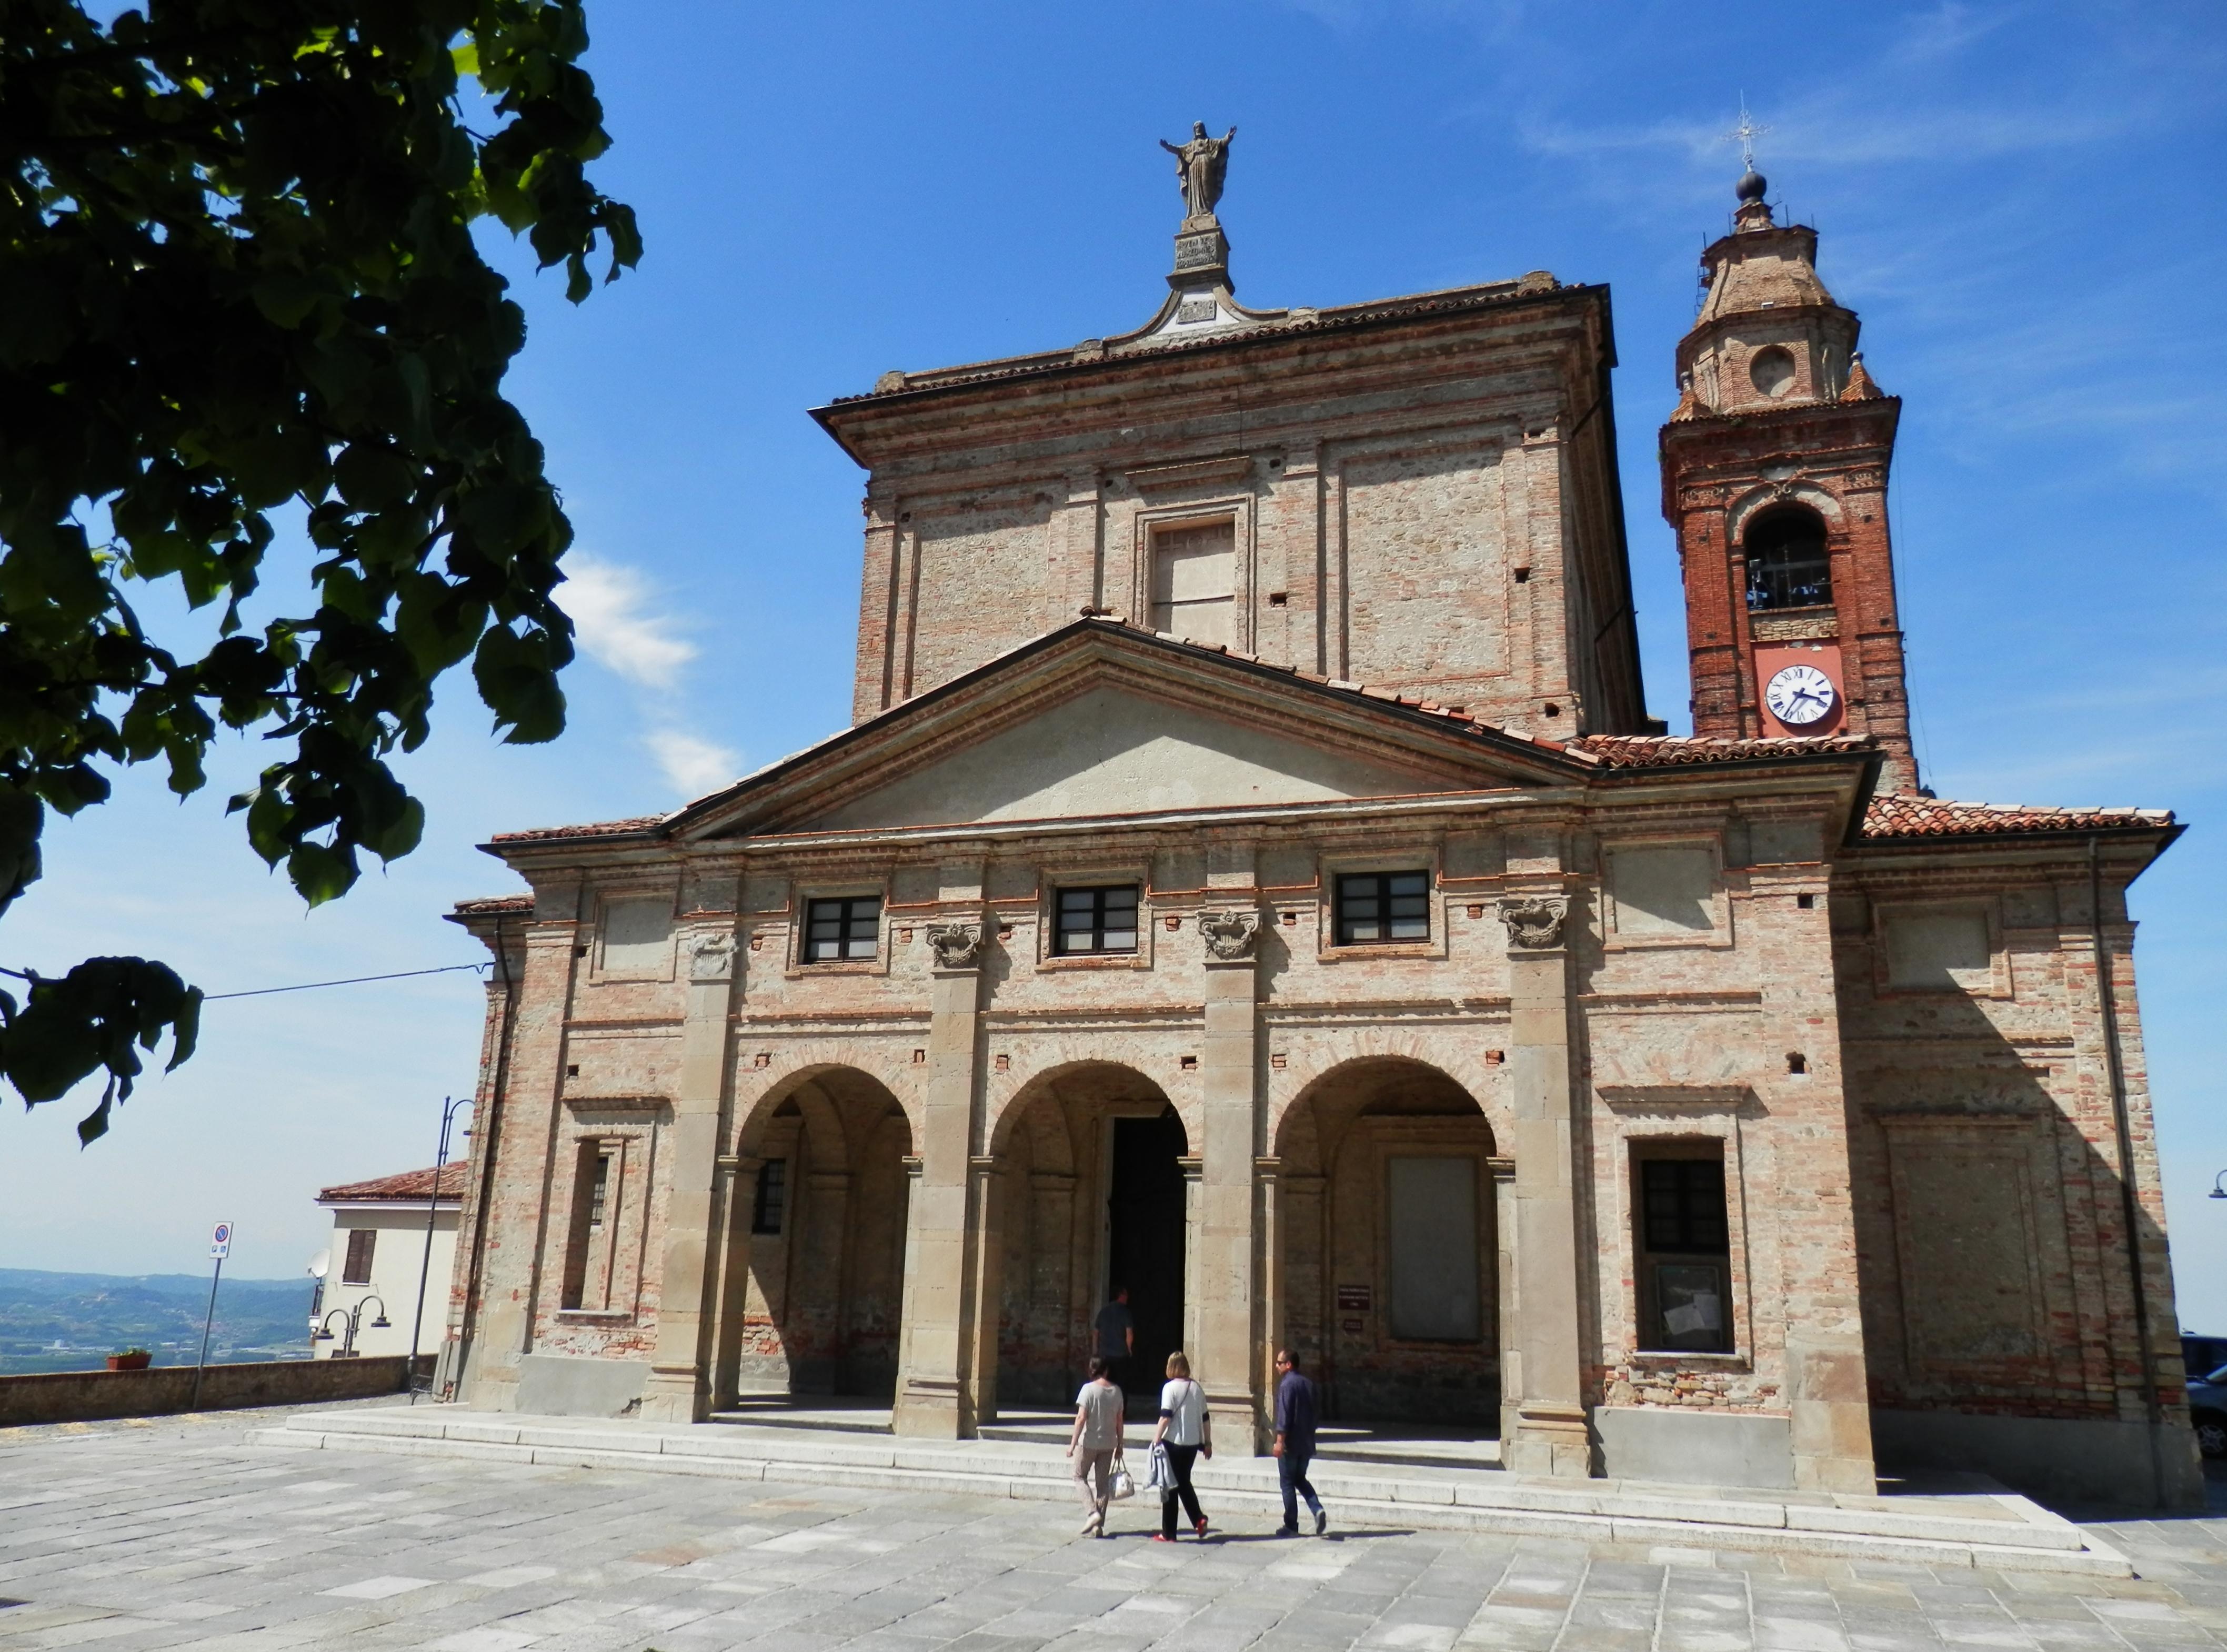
<point>2001,982</point>
<point>1236,509</point>
<point>1092,875</point>
<point>1429,859</point>
<point>1645,1114</point>
<point>1721,938</point>
<point>803,892</point>
<point>628,1126</point>
<point>608,895</point>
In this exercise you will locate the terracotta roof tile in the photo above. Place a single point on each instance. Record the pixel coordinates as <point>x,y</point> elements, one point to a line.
<point>1674,750</point>
<point>487,905</point>
<point>1905,814</point>
<point>598,829</point>
<point>413,1185</point>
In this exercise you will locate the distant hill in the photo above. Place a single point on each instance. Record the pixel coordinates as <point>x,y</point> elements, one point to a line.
<point>73,1322</point>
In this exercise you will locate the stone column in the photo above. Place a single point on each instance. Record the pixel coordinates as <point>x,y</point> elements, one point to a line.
<point>934,1400</point>
<point>1543,1428</point>
<point>985,1282</point>
<point>736,1187</point>
<point>679,1386</point>
<point>1229,1307</point>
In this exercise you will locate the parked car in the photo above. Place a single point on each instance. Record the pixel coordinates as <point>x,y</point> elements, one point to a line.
<point>2201,1355</point>
<point>2207,1410</point>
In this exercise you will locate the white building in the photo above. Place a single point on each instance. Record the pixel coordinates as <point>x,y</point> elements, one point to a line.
<point>379,1256</point>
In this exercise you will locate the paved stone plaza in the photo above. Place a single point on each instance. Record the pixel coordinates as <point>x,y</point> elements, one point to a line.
<point>179,1533</point>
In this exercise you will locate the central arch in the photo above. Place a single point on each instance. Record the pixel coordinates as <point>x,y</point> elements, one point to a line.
<point>1097,1174</point>
<point>1389,1248</point>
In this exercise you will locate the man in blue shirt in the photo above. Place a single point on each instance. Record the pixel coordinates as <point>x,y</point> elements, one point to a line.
<point>1295,1444</point>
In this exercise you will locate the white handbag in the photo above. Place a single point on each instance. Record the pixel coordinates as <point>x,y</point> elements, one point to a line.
<point>1124,1486</point>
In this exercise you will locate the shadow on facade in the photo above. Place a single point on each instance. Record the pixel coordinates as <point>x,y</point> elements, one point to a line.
<point>816,1242</point>
<point>1095,1163</point>
<point>1388,1248</point>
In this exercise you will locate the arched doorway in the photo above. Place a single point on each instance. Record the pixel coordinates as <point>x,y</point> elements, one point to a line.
<point>814,1291</point>
<point>1388,1244</point>
<point>1097,1177</point>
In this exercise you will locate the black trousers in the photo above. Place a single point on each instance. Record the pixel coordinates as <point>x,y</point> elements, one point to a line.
<point>1180,1458</point>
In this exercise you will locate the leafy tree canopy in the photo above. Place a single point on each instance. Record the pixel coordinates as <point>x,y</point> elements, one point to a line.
<point>238,277</point>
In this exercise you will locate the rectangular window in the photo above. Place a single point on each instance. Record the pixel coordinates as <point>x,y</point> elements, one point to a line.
<point>588,1250</point>
<point>357,1270</point>
<point>1195,580</point>
<point>1097,920</point>
<point>835,931</point>
<point>773,1195</point>
<point>1378,906</point>
<point>1684,1248</point>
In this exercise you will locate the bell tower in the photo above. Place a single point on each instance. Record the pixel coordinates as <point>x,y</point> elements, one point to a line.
<point>1774,477</point>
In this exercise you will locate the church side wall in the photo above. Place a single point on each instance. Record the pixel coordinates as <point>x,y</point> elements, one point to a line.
<point>1999,1305</point>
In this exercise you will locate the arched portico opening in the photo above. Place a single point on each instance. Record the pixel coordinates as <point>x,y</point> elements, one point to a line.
<point>814,1282</point>
<point>1096,1173</point>
<point>1388,1281</point>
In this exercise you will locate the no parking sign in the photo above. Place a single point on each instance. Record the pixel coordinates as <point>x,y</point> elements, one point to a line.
<point>220,1240</point>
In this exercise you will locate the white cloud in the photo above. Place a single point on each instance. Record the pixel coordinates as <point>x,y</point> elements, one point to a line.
<point>609,604</point>
<point>693,764</point>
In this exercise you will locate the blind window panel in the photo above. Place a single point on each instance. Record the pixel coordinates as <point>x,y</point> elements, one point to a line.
<point>839,930</point>
<point>1195,582</point>
<point>357,1269</point>
<point>1377,907</point>
<point>1097,920</point>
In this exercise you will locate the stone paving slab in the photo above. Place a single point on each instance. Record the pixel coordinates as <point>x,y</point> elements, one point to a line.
<point>2000,1531</point>
<point>185,1532</point>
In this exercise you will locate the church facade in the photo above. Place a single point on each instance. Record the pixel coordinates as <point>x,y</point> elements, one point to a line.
<point>1252,879</point>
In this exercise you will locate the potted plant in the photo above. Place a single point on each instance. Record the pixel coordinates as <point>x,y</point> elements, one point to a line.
<point>131,1359</point>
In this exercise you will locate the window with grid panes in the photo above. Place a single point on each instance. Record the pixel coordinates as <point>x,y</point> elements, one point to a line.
<point>838,931</point>
<point>1684,1204</point>
<point>1096,919</point>
<point>1377,907</point>
<point>766,1210</point>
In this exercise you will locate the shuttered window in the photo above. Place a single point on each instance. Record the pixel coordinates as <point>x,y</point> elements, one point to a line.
<point>357,1269</point>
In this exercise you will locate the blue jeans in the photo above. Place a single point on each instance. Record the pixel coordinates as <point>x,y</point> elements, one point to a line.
<point>1292,1476</point>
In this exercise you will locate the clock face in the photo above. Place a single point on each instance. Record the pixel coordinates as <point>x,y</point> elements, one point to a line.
<point>1799,696</point>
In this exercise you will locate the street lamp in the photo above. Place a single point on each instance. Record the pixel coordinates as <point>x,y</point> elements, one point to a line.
<point>324,1332</point>
<point>2218,1192</point>
<point>450,1106</point>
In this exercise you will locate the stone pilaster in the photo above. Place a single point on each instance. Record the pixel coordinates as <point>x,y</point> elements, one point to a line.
<point>679,1385</point>
<point>934,1399</point>
<point>1543,1429</point>
<point>1229,1305</point>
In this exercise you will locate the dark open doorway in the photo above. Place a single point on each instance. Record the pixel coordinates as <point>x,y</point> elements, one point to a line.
<point>1145,1219</point>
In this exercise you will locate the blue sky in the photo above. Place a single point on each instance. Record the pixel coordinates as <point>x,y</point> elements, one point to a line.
<point>2022,201</point>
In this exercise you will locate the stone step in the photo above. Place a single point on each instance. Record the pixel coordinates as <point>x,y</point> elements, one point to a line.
<point>2000,1532</point>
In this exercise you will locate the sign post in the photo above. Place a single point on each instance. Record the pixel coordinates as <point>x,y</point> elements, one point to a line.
<point>220,1247</point>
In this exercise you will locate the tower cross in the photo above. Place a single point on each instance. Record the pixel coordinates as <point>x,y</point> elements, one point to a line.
<point>1744,135</point>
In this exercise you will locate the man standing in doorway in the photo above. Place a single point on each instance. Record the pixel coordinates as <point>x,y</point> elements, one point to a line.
<point>1117,1335</point>
<point>1295,1444</point>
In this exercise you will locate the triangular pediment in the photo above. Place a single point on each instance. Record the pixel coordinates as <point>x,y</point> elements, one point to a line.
<point>1103,722</point>
<point>1110,750</point>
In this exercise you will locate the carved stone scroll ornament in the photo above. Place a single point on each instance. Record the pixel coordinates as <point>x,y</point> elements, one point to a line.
<point>711,957</point>
<point>1534,921</point>
<point>1230,934</point>
<point>956,945</point>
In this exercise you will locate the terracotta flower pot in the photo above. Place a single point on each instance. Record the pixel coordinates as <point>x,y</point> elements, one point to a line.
<point>129,1362</point>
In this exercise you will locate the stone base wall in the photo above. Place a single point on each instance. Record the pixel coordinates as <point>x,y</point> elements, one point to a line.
<point>89,1396</point>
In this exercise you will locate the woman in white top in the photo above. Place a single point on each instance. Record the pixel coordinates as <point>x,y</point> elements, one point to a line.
<point>1095,1442</point>
<point>1187,1431</point>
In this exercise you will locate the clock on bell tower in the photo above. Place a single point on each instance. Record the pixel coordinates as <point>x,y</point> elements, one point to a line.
<point>1774,477</point>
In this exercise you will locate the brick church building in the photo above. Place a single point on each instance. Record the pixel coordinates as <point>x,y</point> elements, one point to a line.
<point>1252,878</point>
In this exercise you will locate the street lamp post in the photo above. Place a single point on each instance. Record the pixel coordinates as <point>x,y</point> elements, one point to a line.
<point>2218,1192</point>
<point>450,1106</point>
<point>324,1333</point>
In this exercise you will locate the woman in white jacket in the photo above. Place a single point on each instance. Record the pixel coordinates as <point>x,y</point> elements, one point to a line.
<point>1188,1434</point>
